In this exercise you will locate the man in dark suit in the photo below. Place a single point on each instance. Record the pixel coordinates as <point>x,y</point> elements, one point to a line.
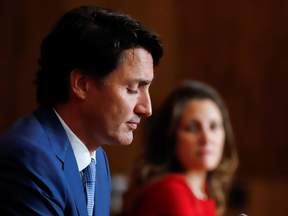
<point>96,67</point>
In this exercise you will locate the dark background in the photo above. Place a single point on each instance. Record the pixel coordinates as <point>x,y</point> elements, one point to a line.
<point>240,47</point>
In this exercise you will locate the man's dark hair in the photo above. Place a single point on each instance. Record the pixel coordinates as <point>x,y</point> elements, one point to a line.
<point>92,39</point>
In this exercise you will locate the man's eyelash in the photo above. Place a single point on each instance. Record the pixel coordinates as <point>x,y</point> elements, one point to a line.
<point>132,91</point>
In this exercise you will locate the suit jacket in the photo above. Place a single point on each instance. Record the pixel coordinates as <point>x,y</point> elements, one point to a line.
<point>39,173</point>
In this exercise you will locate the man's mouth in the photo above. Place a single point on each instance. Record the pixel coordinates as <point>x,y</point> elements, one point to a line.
<point>133,125</point>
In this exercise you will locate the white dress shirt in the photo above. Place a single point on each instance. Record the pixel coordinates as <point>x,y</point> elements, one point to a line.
<point>81,152</point>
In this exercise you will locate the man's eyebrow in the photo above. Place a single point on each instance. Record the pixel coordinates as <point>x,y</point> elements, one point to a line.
<point>143,81</point>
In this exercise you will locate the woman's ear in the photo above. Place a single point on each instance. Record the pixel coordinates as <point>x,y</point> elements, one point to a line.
<point>78,83</point>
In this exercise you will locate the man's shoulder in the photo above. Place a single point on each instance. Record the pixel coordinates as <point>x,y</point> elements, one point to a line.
<point>26,128</point>
<point>26,146</point>
<point>26,134</point>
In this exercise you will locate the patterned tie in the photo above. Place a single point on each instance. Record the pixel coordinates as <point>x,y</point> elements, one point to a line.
<point>89,176</point>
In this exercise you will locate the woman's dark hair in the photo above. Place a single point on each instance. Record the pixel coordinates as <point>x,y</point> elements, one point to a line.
<point>92,39</point>
<point>159,156</point>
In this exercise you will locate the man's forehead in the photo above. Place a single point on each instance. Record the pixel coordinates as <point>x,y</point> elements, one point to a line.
<point>137,68</point>
<point>136,56</point>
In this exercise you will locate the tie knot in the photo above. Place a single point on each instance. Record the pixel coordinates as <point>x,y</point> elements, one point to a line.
<point>89,173</point>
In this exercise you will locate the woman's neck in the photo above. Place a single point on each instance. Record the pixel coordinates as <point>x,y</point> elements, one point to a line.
<point>196,181</point>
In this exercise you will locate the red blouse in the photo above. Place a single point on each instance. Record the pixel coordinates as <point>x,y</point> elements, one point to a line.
<point>171,196</point>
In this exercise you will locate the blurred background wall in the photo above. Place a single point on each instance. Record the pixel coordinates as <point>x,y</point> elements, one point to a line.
<point>239,47</point>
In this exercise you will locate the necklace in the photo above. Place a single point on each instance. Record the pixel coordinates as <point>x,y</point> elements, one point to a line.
<point>196,191</point>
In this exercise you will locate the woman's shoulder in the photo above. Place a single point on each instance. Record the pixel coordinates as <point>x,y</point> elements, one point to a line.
<point>168,195</point>
<point>171,179</point>
<point>168,184</point>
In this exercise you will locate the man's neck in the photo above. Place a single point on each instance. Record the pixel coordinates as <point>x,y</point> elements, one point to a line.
<point>72,118</point>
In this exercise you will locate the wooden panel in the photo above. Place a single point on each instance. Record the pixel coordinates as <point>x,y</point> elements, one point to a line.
<point>265,198</point>
<point>24,24</point>
<point>239,47</point>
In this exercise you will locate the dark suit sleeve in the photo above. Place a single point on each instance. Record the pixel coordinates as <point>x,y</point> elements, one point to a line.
<point>29,181</point>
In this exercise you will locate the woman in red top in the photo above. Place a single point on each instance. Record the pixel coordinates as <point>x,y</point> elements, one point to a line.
<point>188,160</point>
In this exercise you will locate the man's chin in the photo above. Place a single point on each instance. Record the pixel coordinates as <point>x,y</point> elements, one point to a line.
<point>125,141</point>
<point>122,140</point>
<point>119,137</point>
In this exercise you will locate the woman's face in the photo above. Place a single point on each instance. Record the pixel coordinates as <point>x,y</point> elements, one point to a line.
<point>200,136</point>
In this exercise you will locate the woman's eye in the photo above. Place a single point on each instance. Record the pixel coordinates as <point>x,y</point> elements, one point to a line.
<point>132,91</point>
<point>214,126</point>
<point>192,128</point>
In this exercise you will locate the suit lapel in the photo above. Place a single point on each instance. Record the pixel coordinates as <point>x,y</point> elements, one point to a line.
<point>102,187</point>
<point>98,185</point>
<point>64,152</point>
<point>75,182</point>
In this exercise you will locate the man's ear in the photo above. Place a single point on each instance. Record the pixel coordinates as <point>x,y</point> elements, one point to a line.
<point>78,82</point>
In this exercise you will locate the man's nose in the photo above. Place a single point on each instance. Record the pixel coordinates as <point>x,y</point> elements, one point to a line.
<point>144,107</point>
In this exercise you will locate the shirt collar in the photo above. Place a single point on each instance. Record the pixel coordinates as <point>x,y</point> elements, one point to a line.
<point>81,152</point>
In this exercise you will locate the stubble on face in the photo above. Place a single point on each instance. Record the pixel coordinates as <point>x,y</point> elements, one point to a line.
<point>113,108</point>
